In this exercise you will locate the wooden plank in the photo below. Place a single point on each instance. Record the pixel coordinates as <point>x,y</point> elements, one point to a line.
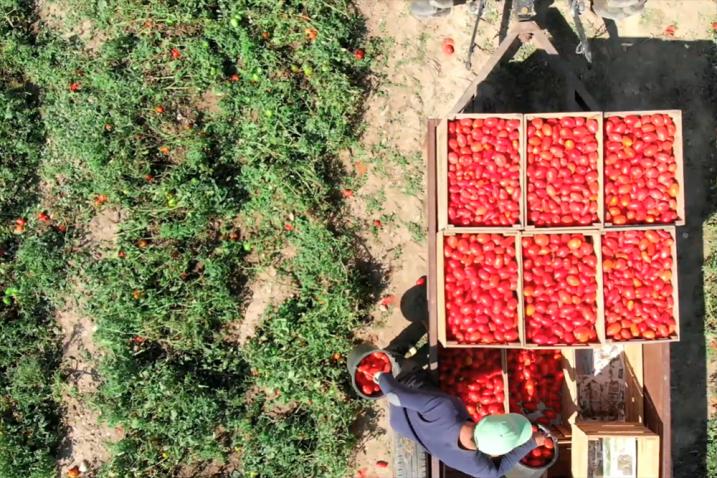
<point>579,458</point>
<point>634,379</point>
<point>504,373</point>
<point>569,393</point>
<point>658,414</point>
<point>648,450</point>
<point>441,291</point>
<point>435,465</point>
<point>676,116</point>
<point>600,294</point>
<point>442,170</point>
<point>596,429</point>
<point>519,289</point>
<point>599,167</point>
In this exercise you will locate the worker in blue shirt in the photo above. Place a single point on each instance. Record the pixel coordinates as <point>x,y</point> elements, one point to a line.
<point>442,426</point>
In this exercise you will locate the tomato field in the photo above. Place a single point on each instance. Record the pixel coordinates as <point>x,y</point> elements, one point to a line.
<point>212,129</point>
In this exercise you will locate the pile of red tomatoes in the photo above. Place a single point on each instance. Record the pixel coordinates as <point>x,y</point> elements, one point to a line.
<point>638,288</point>
<point>562,171</point>
<point>560,289</point>
<point>367,368</point>
<point>481,279</point>
<point>476,377</point>
<point>484,172</point>
<point>640,181</point>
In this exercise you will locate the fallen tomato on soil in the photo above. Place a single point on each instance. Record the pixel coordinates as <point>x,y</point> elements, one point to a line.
<point>367,368</point>
<point>640,182</point>
<point>484,172</point>
<point>481,279</point>
<point>559,289</point>
<point>638,289</point>
<point>562,171</point>
<point>475,376</point>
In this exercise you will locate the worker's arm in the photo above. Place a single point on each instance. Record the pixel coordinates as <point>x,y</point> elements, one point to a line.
<point>486,468</point>
<point>425,402</point>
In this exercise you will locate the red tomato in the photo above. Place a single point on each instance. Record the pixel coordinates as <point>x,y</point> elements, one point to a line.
<point>481,280</point>
<point>474,376</point>
<point>562,171</point>
<point>367,368</point>
<point>637,280</point>
<point>559,289</point>
<point>640,181</point>
<point>483,171</point>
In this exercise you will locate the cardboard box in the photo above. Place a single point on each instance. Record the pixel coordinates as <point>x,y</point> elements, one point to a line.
<point>614,450</point>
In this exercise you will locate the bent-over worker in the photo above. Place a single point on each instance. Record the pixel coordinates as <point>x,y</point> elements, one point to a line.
<point>441,425</point>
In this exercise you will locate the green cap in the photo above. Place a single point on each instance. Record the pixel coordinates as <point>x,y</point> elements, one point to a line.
<point>496,435</point>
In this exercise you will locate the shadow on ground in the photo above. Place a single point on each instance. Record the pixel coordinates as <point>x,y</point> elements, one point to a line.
<point>643,74</point>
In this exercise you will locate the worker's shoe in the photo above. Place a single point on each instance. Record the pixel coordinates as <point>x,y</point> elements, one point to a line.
<point>429,8</point>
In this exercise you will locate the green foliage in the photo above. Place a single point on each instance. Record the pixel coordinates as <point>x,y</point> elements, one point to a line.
<point>213,128</point>
<point>30,270</point>
<point>711,458</point>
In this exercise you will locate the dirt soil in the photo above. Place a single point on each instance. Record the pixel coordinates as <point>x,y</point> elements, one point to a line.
<point>660,59</point>
<point>88,436</point>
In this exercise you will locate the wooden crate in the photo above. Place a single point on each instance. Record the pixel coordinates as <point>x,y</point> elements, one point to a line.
<point>676,116</point>
<point>647,446</point>
<point>601,188</point>
<point>503,366</point>
<point>600,318</point>
<point>569,393</point>
<point>441,297</point>
<point>634,381</point>
<point>442,172</point>
<point>675,284</point>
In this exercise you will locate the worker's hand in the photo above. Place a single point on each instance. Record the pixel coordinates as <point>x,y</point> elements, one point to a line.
<point>376,376</point>
<point>539,438</point>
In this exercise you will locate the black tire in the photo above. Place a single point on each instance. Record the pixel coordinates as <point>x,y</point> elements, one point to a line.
<point>618,9</point>
<point>409,459</point>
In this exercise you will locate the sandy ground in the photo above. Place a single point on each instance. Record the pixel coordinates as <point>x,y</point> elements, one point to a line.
<point>660,60</point>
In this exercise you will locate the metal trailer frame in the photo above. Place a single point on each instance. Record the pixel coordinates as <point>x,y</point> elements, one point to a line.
<point>656,394</point>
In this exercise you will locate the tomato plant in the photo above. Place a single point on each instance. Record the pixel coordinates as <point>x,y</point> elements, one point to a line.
<point>484,172</point>
<point>481,278</point>
<point>186,122</point>
<point>640,182</point>
<point>476,377</point>
<point>559,289</point>
<point>562,172</point>
<point>637,276</point>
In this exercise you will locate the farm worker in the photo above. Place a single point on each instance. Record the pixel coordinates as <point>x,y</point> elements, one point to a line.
<point>442,426</point>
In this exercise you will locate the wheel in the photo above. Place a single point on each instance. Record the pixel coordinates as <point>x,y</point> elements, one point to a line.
<point>409,459</point>
<point>618,9</point>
